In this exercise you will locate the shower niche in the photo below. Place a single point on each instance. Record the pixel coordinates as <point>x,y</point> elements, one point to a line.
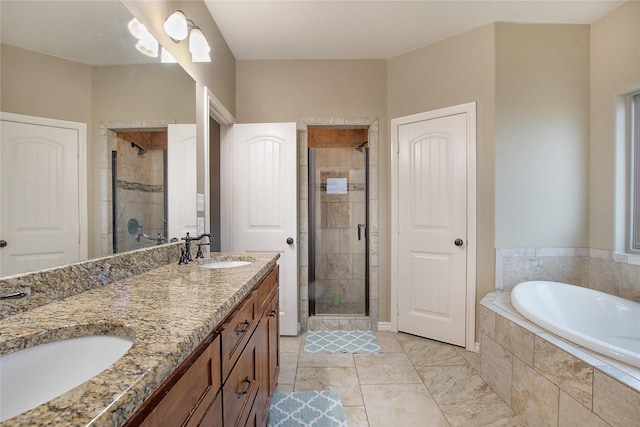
<point>139,183</point>
<point>338,221</point>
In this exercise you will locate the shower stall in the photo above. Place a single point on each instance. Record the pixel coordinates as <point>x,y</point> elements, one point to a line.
<point>139,178</point>
<point>338,227</point>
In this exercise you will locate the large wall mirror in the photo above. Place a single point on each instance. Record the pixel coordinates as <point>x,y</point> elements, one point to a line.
<point>76,61</point>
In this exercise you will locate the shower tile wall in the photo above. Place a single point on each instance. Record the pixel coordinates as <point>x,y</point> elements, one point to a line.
<point>340,256</point>
<point>140,187</point>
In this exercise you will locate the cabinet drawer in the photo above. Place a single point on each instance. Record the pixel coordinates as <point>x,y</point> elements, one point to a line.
<point>192,389</point>
<point>266,287</point>
<point>236,332</point>
<point>241,388</point>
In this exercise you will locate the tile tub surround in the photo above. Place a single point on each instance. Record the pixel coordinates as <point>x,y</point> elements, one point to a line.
<point>56,283</point>
<point>167,311</point>
<point>550,381</point>
<point>611,272</point>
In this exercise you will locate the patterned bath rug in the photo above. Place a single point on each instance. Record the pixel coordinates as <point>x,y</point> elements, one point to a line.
<point>341,342</point>
<point>307,409</point>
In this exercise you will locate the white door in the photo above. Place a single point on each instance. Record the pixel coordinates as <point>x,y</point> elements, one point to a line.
<point>265,206</point>
<point>432,227</point>
<point>41,214</point>
<point>182,167</point>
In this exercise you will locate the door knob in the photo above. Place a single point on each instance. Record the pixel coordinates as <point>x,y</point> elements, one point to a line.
<point>458,242</point>
<point>289,240</point>
<point>3,243</point>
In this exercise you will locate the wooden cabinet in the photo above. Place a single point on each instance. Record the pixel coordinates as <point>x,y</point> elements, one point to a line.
<point>228,380</point>
<point>189,392</point>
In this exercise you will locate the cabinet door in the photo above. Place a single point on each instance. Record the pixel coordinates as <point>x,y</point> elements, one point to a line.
<point>242,386</point>
<point>191,389</point>
<point>213,415</point>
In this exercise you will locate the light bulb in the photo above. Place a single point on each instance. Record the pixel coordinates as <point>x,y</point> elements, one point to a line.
<point>134,28</point>
<point>198,43</point>
<point>147,44</point>
<point>176,26</point>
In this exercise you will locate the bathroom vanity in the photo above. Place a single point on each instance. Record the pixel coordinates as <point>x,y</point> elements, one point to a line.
<point>230,376</point>
<point>205,346</point>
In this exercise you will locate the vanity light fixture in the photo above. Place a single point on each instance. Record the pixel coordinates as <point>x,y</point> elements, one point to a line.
<point>146,44</point>
<point>178,27</point>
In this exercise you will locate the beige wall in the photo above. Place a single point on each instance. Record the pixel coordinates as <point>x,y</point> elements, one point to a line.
<point>451,72</point>
<point>44,86</point>
<point>615,71</point>
<point>542,135</point>
<point>274,91</point>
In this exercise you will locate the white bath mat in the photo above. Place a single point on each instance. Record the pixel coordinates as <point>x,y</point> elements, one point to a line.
<point>341,342</point>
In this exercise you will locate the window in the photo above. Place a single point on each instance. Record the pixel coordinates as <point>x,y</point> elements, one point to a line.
<point>633,112</point>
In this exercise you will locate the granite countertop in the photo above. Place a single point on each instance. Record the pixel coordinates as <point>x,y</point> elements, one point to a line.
<point>167,311</point>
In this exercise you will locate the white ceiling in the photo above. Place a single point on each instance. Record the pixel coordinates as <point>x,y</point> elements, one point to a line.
<point>330,29</point>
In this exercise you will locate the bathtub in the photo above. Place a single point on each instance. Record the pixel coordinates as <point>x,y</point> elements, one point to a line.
<point>601,322</point>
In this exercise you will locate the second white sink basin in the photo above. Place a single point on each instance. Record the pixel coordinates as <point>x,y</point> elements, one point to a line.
<point>225,264</point>
<point>35,375</point>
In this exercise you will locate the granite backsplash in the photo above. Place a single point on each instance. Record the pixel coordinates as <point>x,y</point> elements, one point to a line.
<point>56,283</point>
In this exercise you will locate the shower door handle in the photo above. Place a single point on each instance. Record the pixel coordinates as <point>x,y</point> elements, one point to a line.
<point>360,227</point>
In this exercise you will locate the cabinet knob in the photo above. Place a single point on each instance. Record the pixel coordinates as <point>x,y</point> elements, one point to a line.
<point>289,240</point>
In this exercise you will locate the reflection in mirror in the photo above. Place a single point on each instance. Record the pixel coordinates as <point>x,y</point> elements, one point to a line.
<point>76,61</point>
<point>138,174</point>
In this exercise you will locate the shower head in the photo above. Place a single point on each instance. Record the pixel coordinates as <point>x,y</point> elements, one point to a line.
<point>141,150</point>
<point>361,147</point>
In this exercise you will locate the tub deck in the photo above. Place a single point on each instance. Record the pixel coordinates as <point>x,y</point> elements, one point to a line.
<point>548,380</point>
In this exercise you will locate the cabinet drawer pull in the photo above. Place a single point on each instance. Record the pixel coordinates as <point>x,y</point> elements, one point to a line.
<point>273,313</point>
<point>244,328</point>
<point>246,390</point>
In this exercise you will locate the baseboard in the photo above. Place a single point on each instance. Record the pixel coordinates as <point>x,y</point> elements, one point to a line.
<point>384,326</point>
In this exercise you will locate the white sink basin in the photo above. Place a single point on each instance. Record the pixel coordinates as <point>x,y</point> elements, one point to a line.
<point>35,375</point>
<point>225,264</point>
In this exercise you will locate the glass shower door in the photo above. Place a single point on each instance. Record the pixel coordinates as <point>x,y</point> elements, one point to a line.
<point>338,265</point>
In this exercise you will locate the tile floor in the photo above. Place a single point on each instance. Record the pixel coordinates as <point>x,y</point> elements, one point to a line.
<point>413,382</point>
